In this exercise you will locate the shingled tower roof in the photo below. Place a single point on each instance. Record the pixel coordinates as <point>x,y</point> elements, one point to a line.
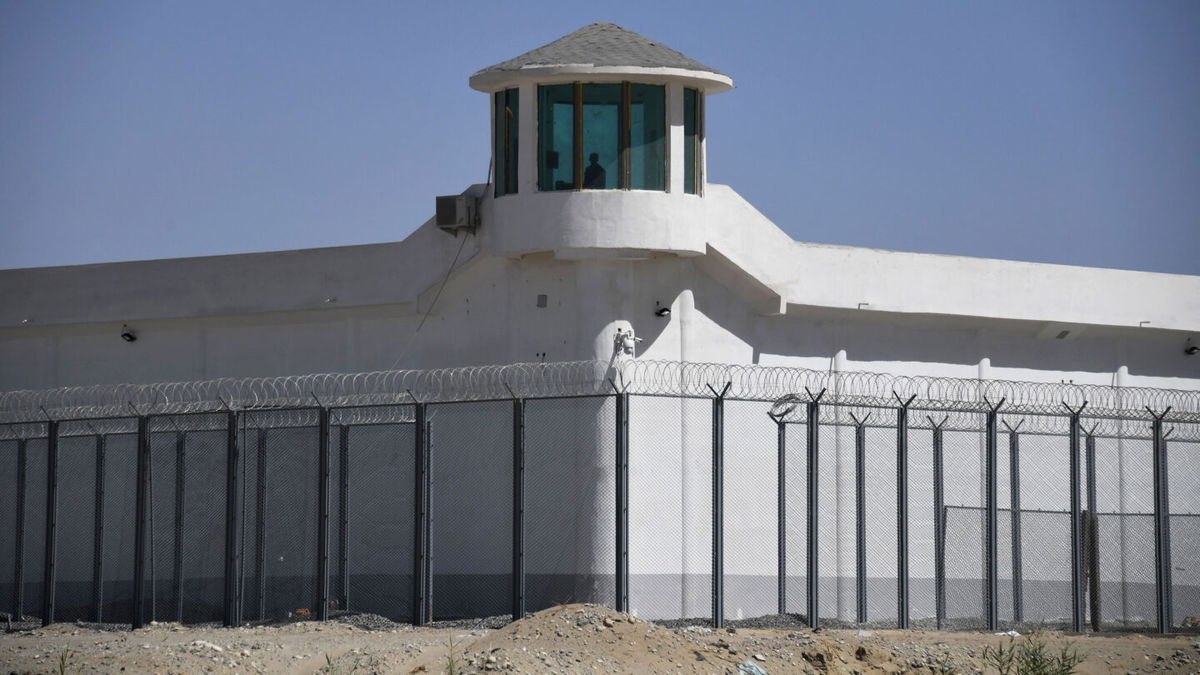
<point>602,44</point>
<point>602,50</point>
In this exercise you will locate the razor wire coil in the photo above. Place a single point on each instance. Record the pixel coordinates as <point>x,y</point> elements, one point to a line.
<point>1108,411</point>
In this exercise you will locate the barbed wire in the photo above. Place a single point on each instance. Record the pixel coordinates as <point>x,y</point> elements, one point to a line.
<point>1111,409</point>
<point>1043,405</point>
<point>391,387</point>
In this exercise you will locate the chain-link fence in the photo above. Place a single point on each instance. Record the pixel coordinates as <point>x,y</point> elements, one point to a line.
<point>793,513</point>
<point>671,517</point>
<point>818,507</point>
<point>372,528</point>
<point>751,513</point>
<point>11,496</point>
<point>472,521</point>
<point>1183,459</point>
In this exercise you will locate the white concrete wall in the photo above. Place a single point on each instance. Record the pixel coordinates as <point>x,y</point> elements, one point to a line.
<point>488,313</point>
<point>741,291</point>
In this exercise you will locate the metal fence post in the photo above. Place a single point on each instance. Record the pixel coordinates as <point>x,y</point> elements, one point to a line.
<point>1162,524</point>
<point>323,475</point>
<point>18,609</point>
<point>48,578</point>
<point>518,512</point>
<point>1014,496</point>
<point>232,613</point>
<point>781,450</point>
<point>260,524</point>
<point>421,530</point>
<point>814,503</point>
<point>180,476</point>
<point>141,521</point>
<point>939,524</point>
<point>1091,532</point>
<point>991,543</point>
<point>344,517</point>
<point>622,580</point>
<point>718,506</point>
<point>98,533</point>
<point>902,576</point>
<point>860,520</point>
<point>429,519</point>
<point>1077,593</point>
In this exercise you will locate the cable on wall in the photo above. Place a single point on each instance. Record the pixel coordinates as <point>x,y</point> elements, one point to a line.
<point>445,278</point>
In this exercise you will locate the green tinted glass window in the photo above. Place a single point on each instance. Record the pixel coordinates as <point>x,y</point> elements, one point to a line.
<point>505,117</point>
<point>556,137</point>
<point>514,109</point>
<point>691,141</point>
<point>601,136</point>
<point>647,137</point>
<point>498,154</point>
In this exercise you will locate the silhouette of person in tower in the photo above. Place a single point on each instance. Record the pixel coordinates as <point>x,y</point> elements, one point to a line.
<point>594,177</point>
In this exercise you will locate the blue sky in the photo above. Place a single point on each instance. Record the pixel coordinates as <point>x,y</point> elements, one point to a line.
<point>1064,132</point>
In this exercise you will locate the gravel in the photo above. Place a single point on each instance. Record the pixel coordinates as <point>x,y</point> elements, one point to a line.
<point>786,621</point>
<point>488,622</point>
<point>684,623</point>
<point>367,621</point>
<point>22,624</point>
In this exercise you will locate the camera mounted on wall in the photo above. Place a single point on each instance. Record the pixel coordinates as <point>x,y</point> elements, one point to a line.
<point>625,342</point>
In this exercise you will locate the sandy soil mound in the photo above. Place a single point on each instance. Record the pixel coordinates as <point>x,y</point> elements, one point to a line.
<point>590,638</point>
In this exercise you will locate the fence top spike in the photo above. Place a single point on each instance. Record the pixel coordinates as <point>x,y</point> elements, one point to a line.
<point>937,425</point>
<point>994,407</point>
<point>863,421</point>
<point>1157,416</point>
<point>724,390</point>
<point>1075,411</point>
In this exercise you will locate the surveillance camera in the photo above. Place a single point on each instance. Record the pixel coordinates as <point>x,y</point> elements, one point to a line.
<point>626,342</point>
<point>127,334</point>
<point>662,312</point>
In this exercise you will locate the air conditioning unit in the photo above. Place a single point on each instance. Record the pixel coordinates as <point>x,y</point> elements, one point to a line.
<point>457,212</point>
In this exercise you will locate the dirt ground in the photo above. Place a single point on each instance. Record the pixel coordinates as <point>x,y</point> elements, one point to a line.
<point>566,639</point>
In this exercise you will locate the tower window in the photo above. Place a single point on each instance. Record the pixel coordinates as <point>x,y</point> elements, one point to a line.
<point>556,137</point>
<point>693,139</point>
<point>602,137</point>
<point>505,116</point>
<point>647,137</point>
